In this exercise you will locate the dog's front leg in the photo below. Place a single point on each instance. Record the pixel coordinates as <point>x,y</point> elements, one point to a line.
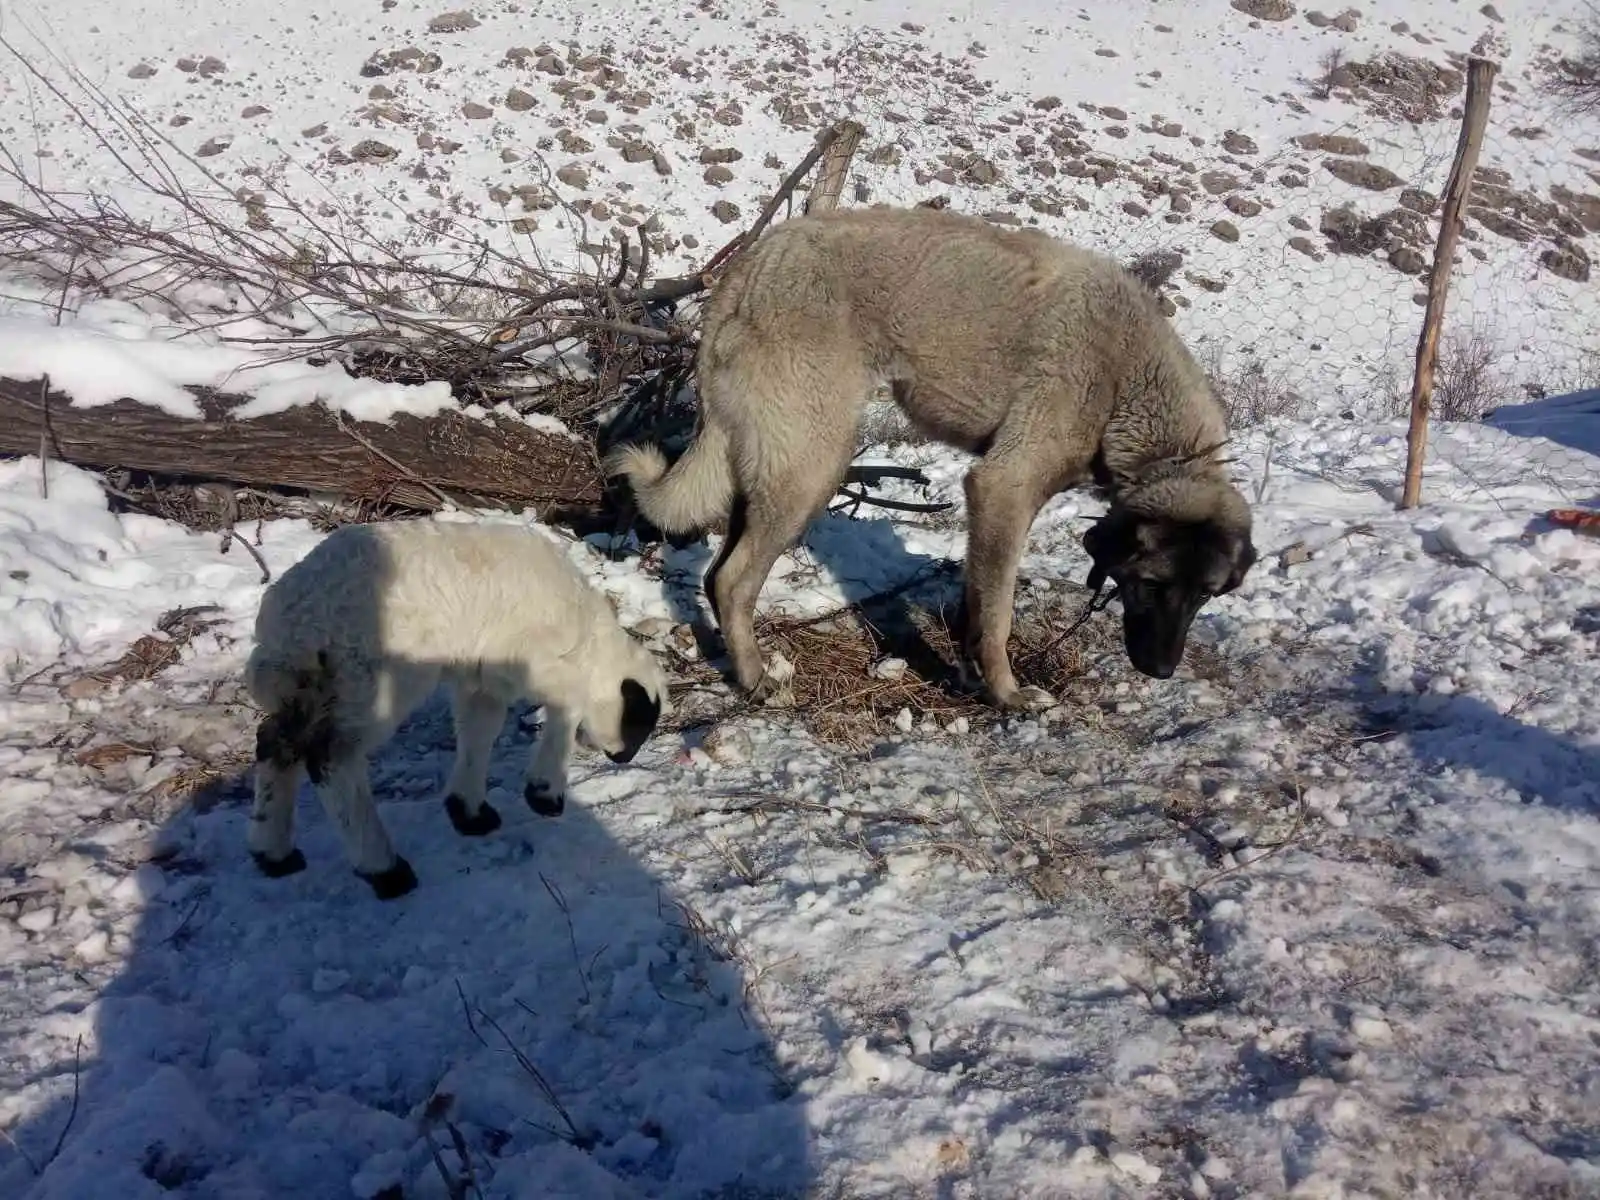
<point>546,787</point>
<point>1001,505</point>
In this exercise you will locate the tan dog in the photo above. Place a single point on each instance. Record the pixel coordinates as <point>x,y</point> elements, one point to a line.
<point>1050,361</point>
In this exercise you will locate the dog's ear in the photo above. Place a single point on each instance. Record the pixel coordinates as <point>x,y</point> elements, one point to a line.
<point>1111,542</point>
<point>1244,557</point>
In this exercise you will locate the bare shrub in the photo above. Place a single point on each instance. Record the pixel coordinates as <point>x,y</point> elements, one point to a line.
<point>1467,385</point>
<point>1576,80</point>
<point>1251,395</point>
<point>1567,377</point>
<point>1329,64</point>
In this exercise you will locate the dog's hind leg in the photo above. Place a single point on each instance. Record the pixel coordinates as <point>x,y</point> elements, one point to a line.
<point>790,486</point>
<point>735,534</point>
<point>478,718</point>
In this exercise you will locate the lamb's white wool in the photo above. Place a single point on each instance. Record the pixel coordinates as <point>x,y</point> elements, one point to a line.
<point>354,636</point>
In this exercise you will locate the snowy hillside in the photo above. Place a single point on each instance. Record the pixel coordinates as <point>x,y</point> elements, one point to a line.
<point>1319,917</point>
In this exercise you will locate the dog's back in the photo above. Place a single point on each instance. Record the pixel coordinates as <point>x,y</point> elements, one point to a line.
<point>956,312</point>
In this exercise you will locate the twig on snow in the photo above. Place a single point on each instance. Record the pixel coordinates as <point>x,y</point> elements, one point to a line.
<point>573,1135</point>
<point>910,506</point>
<point>72,1113</point>
<point>1288,839</point>
<point>572,936</point>
<point>232,534</point>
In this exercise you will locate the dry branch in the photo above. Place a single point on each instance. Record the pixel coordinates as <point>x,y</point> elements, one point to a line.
<point>413,462</point>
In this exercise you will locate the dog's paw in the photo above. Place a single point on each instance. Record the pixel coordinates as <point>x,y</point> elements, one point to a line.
<point>771,694</point>
<point>392,883</point>
<point>1033,699</point>
<point>1022,700</point>
<point>277,868</point>
<point>776,686</point>
<point>969,679</point>
<point>486,820</point>
<point>544,798</point>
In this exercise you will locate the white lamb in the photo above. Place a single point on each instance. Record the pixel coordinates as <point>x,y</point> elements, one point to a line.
<point>354,636</point>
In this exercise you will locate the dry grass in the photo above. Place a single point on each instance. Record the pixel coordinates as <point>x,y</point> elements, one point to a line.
<point>840,700</point>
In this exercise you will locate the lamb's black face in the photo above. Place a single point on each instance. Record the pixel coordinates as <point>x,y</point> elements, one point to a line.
<point>1165,571</point>
<point>640,713</point>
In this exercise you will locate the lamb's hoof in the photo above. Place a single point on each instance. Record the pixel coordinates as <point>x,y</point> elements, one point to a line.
<point>771,693</point>
<point>392,883</point>
<point>486,820</point>
<point>544,799</point>
<point>276,868</point>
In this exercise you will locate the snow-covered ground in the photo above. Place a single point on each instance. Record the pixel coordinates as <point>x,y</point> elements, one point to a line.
<point>1321,917</point>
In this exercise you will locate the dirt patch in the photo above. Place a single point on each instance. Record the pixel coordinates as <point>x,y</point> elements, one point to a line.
<point>850,685</point>
<point>1362,174</point>
<point>1332,143</point>
<point>1392,232</point>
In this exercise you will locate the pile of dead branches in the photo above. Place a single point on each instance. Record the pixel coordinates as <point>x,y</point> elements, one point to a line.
<point>611,350</point>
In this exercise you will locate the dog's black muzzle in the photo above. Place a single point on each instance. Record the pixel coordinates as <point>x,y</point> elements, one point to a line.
<point>1155,624</point>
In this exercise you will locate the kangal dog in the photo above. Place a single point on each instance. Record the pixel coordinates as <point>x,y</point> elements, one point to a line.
<point>1050,361</point>
<point>355,635</point>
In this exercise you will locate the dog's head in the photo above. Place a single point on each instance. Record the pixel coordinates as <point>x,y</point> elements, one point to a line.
<point>623,714</point>
<point>1166,564</point>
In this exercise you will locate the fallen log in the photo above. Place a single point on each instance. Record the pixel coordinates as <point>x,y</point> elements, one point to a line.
<point>413,462</point>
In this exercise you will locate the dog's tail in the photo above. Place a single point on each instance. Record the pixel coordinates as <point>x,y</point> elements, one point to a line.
<point>694,492</point>
<point>298,699</point>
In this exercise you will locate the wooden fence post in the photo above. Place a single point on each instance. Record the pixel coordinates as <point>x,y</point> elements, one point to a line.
<point>835,166</point>
<point>1480,83</point>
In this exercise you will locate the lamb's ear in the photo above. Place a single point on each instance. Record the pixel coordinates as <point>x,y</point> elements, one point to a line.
<point>640,712</point>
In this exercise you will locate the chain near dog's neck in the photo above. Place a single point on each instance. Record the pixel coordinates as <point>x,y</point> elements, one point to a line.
<point>1152,470</point>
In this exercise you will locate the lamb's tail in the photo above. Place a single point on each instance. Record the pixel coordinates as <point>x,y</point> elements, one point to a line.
<point>694,492</point>
<point>298,699</point>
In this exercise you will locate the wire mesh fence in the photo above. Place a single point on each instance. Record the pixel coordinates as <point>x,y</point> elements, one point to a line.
<point>1292,251</point>
<point>1297,265</point>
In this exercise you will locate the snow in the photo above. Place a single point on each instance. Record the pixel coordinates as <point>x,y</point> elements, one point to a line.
<point>1316,918</point>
